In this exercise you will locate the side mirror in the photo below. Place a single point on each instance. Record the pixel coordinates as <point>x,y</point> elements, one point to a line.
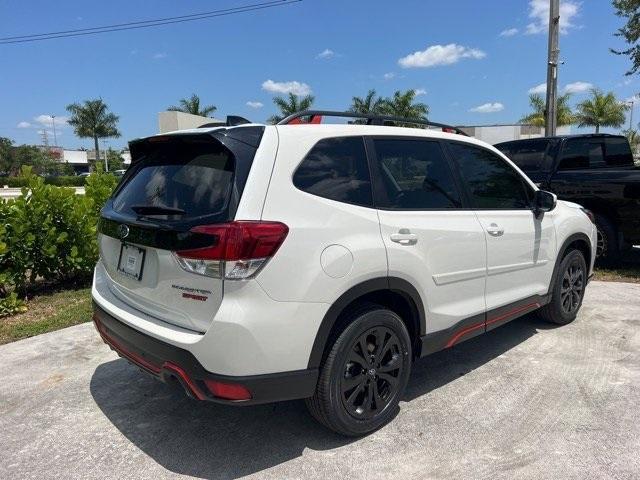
<point>544,202</point>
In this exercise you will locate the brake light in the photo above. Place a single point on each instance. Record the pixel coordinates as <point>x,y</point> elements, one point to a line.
<point>589,214</point>
<point>238,250</point>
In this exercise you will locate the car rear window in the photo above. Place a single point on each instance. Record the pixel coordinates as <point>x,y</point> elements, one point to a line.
<point>195,176</point>
<point>529,155</point>
<point>617,152</point>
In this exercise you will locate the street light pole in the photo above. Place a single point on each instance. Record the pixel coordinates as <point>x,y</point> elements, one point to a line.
<point>631,115</point>
<point>551,114</point>
<point>55,137</point>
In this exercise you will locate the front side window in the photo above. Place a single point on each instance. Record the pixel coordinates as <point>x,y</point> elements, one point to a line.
<point>491,181</point>
<point>337,169</point>
<point>415,175</point>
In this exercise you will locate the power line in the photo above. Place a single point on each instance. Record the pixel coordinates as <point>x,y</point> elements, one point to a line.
<point>145,23</point>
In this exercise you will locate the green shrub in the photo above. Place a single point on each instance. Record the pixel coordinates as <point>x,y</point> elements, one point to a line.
<point>11,304</point>
<point>48,233</point>
<point>60,181</point>
<point>98,189</point>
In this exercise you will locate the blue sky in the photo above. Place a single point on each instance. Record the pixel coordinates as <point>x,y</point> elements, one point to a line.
<point>475,60</point>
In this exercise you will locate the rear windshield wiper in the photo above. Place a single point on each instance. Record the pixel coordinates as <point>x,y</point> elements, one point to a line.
<point>156,210</point>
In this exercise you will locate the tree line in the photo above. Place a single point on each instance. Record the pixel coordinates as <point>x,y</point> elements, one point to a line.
<point>93,119</point>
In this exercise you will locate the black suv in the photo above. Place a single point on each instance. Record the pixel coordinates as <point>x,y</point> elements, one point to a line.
<point>596,171</point>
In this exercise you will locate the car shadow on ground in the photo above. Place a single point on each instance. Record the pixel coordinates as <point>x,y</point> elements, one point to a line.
<point>214,441</point>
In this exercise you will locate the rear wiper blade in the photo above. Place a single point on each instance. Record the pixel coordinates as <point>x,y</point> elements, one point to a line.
<point>156,210</point>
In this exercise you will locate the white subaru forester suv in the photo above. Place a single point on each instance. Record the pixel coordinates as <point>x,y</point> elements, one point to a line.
<point>253,263</point>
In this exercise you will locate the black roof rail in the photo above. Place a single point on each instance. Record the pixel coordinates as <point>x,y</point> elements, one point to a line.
<point>372,119</point>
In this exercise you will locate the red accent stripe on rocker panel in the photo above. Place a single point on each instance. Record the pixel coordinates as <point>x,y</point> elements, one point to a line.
<point>466,330</point>
<point>513,312</point>
<point>461,333</point>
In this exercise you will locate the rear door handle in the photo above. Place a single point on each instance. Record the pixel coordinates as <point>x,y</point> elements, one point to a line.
<point>494,230</point>
<point>404,237</point>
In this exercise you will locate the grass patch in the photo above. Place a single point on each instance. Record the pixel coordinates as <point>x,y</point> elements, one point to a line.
<point>48,312</point>
<point>619,274</point>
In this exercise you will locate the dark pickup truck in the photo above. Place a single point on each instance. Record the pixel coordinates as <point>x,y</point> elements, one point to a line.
<point>596,171</point>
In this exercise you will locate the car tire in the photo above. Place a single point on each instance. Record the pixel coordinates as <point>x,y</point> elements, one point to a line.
<point>567,291</point>
<point>364,374</point>
<point>608,247</point>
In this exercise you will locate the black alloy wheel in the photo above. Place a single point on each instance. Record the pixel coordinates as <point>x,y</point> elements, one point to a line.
<point>572,288</point>
<point>372,372</point>
<point>364,372</point>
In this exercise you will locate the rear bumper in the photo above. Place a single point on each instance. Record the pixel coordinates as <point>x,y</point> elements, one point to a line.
<point>172,364</point>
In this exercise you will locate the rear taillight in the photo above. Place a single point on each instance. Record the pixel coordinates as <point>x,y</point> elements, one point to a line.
<point>238,249</point>
<point>589,214</point>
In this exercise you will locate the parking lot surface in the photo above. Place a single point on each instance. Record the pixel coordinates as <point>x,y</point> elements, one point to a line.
<point>527,400</point>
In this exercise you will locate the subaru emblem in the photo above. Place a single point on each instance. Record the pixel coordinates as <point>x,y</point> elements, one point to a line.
<point>123,231</point>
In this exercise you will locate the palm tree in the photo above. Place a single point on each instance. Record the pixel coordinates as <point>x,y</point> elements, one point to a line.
<point>92,119</point>
<point>601,110</point>
<point>290,105</point>
<point>402,105</point>
<point>538,105</point>
<point>370,104</point>
<point>192,106</point>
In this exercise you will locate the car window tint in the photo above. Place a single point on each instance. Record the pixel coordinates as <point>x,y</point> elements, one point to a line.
<point>582,153</point>
<point>529,155</point>
<point>491,181</point>
<point>336,168</point>
<point>617,152</point>
<point>415,175</point>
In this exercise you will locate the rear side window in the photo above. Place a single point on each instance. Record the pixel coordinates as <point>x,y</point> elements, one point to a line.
<point>582,154</point>
<point>415,175</point>
<point>617,152</point>
<point>337,169</point>
<point>491,181</point>
<point>195,177</point>
<point>529,155</point>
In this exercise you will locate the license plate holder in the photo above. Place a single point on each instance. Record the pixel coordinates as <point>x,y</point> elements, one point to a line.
<point>131,261</point>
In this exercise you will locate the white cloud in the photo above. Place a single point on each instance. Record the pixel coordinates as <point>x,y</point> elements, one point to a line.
<point>389,76</point>
<point>326,54</point>
<point>297,88</point>
<point>539,14</point>
<point>577,87</point>
<point>255,104</point>
<point>46,120</point>
<point>436,55</point>
<point>539,89</point>
<point>159,55</point>
<point>488,108</point>
<point>509,32</point>
<point>420,91</point>
<point>24,125</point>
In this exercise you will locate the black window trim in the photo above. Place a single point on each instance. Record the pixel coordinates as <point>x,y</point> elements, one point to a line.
<point>368,161</point>
<point>466,190</point>
<point>379,188</point>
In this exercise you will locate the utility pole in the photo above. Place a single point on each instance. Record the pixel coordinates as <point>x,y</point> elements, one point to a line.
<point>552,69</point>
<point>631,115</point>
<point>55,137</point>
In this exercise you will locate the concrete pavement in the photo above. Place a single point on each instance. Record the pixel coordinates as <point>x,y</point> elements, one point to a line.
<point>527,400</point>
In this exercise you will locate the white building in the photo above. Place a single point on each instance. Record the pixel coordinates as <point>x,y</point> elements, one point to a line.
<point>493,134</point>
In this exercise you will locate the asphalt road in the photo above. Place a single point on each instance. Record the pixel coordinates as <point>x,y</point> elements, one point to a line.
<point>526,400</point>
